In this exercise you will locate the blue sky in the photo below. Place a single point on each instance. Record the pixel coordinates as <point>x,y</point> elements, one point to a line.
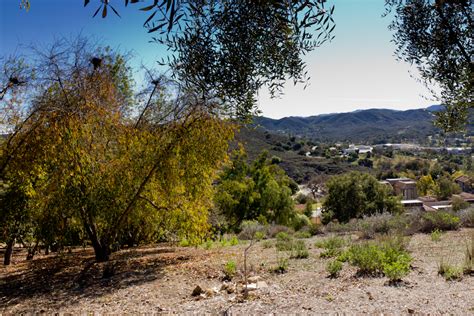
<point>356,71</point>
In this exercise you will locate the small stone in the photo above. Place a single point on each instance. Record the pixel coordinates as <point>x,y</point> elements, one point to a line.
<point>197,291</point>
<point>410,311</point>
<point>254,279</point>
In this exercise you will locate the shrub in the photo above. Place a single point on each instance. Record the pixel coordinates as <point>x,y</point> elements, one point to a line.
<point>333,268</point>
<point>303,234</point>
<point>208,244</point>
<point>369,226</point>
<point>449,272</point>
<point>234,241</point>
<point>468,267</point>
<point>249,228</point>
<point>368,258</point>
<point>332,247</point>
<point>332,242</point>
<point>275,229</point>
<point>458,203</point>
<point>282,265</point>
<point>467,217</point>
<point>230,268</point>
<point>299,250</point>
<point>259,235</point>
<point>284,242</point>
<point>436,235</point>
<point>184,243</point>
<point>267,244</point>
<point>388,257</point>
<point>300,221</point>
<point>396,269</point>
<point>441,220</point>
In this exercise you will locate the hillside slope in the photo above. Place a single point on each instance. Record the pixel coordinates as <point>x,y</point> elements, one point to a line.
<point>374,126</point>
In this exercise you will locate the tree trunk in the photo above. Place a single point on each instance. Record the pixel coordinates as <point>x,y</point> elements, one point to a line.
<point>102,252</point>
<point>32,252</point>
<point>9,252</point>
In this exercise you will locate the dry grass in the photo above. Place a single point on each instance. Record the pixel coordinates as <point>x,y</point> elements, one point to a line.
<point>162,278</point>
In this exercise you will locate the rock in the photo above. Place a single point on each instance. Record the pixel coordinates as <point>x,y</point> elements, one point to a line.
<point>255,286</point>
<point>197,291</point>
<point>254,279</point>
<point>228,287</point>
<point>410,311</point>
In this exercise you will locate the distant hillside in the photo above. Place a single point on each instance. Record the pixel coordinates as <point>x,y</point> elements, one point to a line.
<point>291,151</point>
<point>367,126</point>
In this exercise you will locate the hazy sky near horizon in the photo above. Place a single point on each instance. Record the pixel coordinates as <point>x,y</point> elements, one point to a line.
<point>357,70</point>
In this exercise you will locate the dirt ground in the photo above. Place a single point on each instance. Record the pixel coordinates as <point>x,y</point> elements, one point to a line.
<point>161,279</point>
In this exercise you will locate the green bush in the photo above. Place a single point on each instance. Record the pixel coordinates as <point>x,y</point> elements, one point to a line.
<point>304,234</point>
<point>248,229</point>
<point>441,220</point>
<point>436,235</point>
<point>458,204</point>
<point>367,257</point>
<point>332,247</point>
<point>388,257</point>
<point>275,229</point>
<point>299,221</point>
<point>259,235</point>
<point>467,217</point>
<point>284,242</point>
<point>299,250</point>
<point>333,268</point>
<point>449,272</point>
<point>184,243</point>
<point>282,265</point>
<point>267,244</point>
<point>230,269</point>
<point>396,269</point>
<point>330,243</point>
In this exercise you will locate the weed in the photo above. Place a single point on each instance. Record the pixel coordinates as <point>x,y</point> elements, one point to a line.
<point>259,235</point>
<point>282,265</point>
<point>388,257</point>
<point>230,269</point>
<point>267,244</point>
<point>299,250</point>
<point>333,268</point>
<point>284,242</point>
<point>449,272</point>
<point>468,267</point>
<point>441,220</point>
<point>303,234</point>
<point>436,235</point>
<point>184,243</point>
<point>331,243</point>
<point>234,241</point>
<point>208,244</point>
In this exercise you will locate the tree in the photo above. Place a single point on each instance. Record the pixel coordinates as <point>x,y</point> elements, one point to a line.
<point>357,194</point>
<point>438,37</point>
<point>92,153</point>
<point>425,185</point>
<point>229,50</point>
<point>445,188</point>
<point>317,185</point>
<point>254,191</point>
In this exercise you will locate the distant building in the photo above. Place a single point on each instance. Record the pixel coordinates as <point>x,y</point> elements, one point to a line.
<point>404,187</point>
<point>361,149</point>
<point>466,183</point>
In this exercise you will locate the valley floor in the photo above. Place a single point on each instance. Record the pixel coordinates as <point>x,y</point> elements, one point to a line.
<point>161,279</point>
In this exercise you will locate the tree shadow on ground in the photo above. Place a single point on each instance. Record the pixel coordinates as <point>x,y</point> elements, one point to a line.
<point>66,278</point>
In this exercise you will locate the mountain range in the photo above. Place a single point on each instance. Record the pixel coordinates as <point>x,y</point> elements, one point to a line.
<point>368,126</point>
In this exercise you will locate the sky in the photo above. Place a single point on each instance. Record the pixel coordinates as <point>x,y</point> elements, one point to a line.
<point>357,70</point>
